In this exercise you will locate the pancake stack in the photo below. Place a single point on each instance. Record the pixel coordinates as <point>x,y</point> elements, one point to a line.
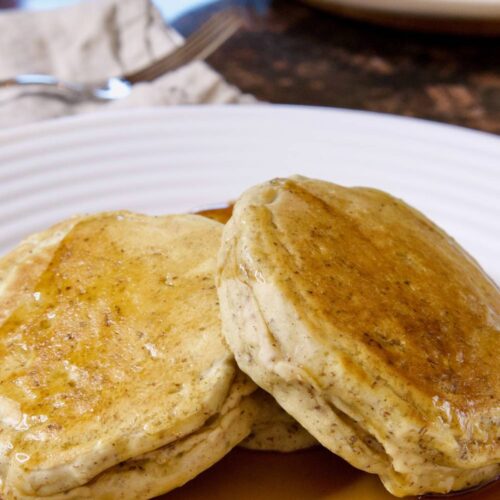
<point>137,351</point>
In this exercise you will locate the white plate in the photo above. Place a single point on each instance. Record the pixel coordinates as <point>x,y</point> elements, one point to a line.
<point>179,159</point>
<point>465,9</point>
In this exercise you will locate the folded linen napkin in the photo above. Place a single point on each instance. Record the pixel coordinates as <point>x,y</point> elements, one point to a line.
<point>92,41</point>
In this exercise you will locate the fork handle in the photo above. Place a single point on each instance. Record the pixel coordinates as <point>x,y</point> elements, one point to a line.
<point>41,80</point>
<point>113,88</point>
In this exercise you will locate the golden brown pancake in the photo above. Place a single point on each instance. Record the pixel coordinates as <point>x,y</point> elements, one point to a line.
<point>274,429</point>
<point>370,326</point>
<point>92,311</point>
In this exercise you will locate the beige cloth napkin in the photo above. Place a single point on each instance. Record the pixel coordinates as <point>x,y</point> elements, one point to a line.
<point>91,41</point>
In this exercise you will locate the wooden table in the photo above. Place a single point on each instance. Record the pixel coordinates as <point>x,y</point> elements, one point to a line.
<point>290,53</point>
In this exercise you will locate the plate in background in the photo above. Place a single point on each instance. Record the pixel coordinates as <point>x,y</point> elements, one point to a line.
<point>463,17</point>
<point>463,9</point>
<point>184,158</point>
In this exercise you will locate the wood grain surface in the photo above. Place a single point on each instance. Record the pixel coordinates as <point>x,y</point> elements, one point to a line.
<point>291,53</point>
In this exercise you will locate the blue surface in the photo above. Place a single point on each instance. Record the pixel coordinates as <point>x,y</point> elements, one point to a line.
<point>170,9</point>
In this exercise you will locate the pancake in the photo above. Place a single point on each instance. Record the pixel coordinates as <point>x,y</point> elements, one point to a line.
<point>274,429</point>
<point>370,326</point>
<point>20,269</point>
<point>173,465</point>
<point>115,377</point>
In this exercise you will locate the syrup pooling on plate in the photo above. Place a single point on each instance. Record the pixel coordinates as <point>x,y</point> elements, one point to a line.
<point>222,214</point>
<point>314,474</point>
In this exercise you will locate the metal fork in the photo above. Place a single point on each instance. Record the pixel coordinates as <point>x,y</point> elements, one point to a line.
<point>206,40</point>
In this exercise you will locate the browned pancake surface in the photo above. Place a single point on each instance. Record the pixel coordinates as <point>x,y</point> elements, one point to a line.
<point>370,326</point>
<point>389,280</point>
